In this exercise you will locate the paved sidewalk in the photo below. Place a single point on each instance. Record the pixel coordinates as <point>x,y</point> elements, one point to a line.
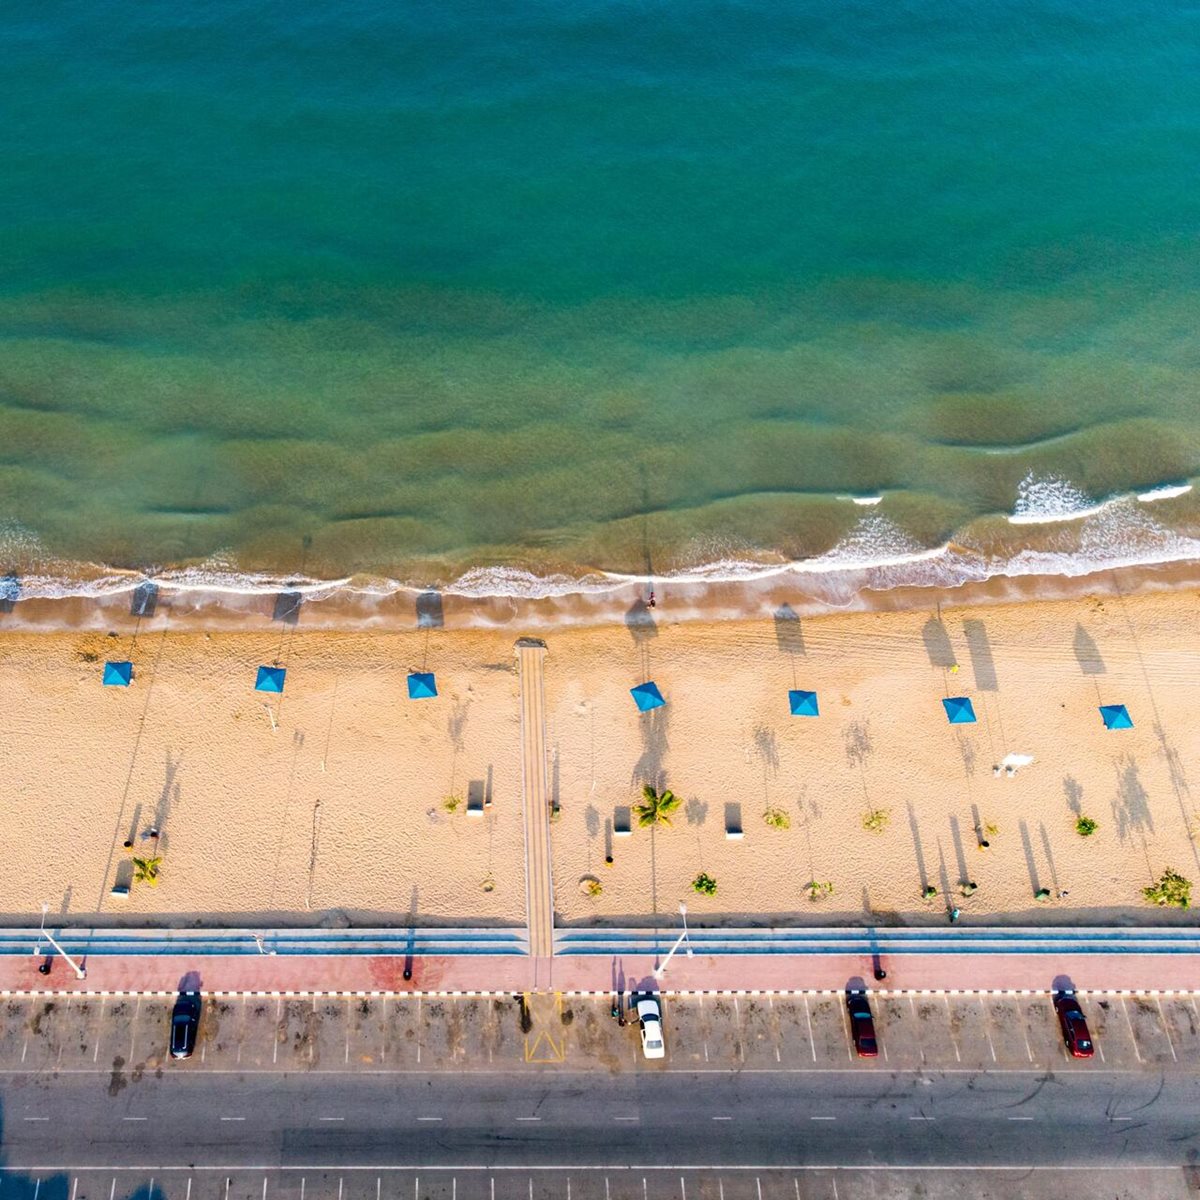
<point>509,975</point>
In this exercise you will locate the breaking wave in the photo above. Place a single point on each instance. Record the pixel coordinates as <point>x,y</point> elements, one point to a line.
<point>1071,535</point>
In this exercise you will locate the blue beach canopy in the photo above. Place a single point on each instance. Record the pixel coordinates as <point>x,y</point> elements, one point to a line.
<point>959,710</point>
<point>803,704</point>
<point>270,679</point>
<point>421,686</point>
<point>647,696</point>
<point>1116,716</point>
<point>117,674</point>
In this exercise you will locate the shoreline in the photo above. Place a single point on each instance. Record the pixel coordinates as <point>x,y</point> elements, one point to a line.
<point>144,606</point>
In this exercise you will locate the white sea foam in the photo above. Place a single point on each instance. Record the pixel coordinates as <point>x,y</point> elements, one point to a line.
<point>1168,491</point>
<point>1045,499</point>
<point>875,554</point>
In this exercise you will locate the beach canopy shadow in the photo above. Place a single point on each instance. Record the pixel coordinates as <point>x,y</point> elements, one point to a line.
<point>937,644</point>
<point>639,620</point>
<point>144,602</point>
<point>287,607</point>
<point>431,613</point>
<point>980,650</point>
<point>788,635</point>
<point>1087,653</point>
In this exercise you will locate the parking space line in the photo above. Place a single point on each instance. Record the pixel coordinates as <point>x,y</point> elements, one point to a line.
<point>278,1017</point>
<point>737,1017</point>
<point>429,1118</point>
<point>1167,1028</point>
<point>1025,1033</point>
<point>722,1118</point>
<point>775,1028</point>
<point>346,1060</point>
<point>529,1118</point>
<point>383,1024</point>
<point>134,1118</point>
<point>112,1191</point>
<point>703,1034</point>
<point>987,1027</point>
<point>332,1118</point>
<point>74,1187</point>
<point>808,1017</point>
<point>188,1194</point>
<point>241,1028</point>
<point>822,1118</point>
<point>418,1029</point>
<point>1132,1035</point>
<point>99,1032</point>
<point>137,1008</point>
<point>1020,1118</point>
<point>950,1026</point>
<point>233,1118</point>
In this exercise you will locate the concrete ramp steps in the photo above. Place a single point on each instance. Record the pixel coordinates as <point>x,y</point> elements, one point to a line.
<point>333,942</point>
<point>883,941</point>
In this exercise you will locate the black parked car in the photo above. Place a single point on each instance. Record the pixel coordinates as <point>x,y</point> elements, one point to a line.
<point>185,1022</point>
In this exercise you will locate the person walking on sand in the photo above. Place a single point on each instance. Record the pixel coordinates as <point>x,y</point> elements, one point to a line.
<point>651,601</point>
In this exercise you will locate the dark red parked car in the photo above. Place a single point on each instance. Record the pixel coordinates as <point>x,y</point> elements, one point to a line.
<point>1074,1025</point>
<point>862,1024</point>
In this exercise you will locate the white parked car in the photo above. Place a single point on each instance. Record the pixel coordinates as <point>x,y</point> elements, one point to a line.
<point>650,1019</point>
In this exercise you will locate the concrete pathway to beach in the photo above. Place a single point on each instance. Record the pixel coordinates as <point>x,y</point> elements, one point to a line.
<point>539,880</point>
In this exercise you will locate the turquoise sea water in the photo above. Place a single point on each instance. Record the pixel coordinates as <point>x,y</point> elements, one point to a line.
<point>402,289</point>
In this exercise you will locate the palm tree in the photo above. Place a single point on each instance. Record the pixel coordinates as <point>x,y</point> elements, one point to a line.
<point>145,870</point>
<point>656,807</point>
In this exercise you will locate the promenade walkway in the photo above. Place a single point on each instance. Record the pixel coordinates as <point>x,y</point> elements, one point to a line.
<point>539,880</point>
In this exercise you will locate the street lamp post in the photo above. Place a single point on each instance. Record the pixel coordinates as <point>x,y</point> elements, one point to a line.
<point>659,972</point>
<point>43,932</point>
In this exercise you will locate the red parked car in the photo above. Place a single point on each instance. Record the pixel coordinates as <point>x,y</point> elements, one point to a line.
<point>1074,1025</point>
<point>862,1024</point>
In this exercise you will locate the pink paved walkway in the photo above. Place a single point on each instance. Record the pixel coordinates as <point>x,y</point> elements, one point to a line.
<point>601,973</point>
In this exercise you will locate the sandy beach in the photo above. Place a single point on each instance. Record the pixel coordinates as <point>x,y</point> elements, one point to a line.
<point>332,806</point>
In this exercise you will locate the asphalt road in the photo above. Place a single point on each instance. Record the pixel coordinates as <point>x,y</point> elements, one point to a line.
<point>554,1118</point>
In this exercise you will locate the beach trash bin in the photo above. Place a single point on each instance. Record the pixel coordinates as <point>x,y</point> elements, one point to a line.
<point>1115,716</point>
<point>421,685</point>
<point>270,679</point>
<point>959,710</point>
<point>803,704</point>
<point>117,674</point>
<point>647,696</point>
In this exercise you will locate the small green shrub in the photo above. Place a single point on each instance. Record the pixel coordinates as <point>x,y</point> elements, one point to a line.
<point>706,885</point>
<point>1171,890</point>
<point>930,891</point>
<point>594,887</point>
<point>777,818</point>
<point>818,891</point>
<point>1085,826</point>
<point>451,803</point>
<point>875,820</point>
